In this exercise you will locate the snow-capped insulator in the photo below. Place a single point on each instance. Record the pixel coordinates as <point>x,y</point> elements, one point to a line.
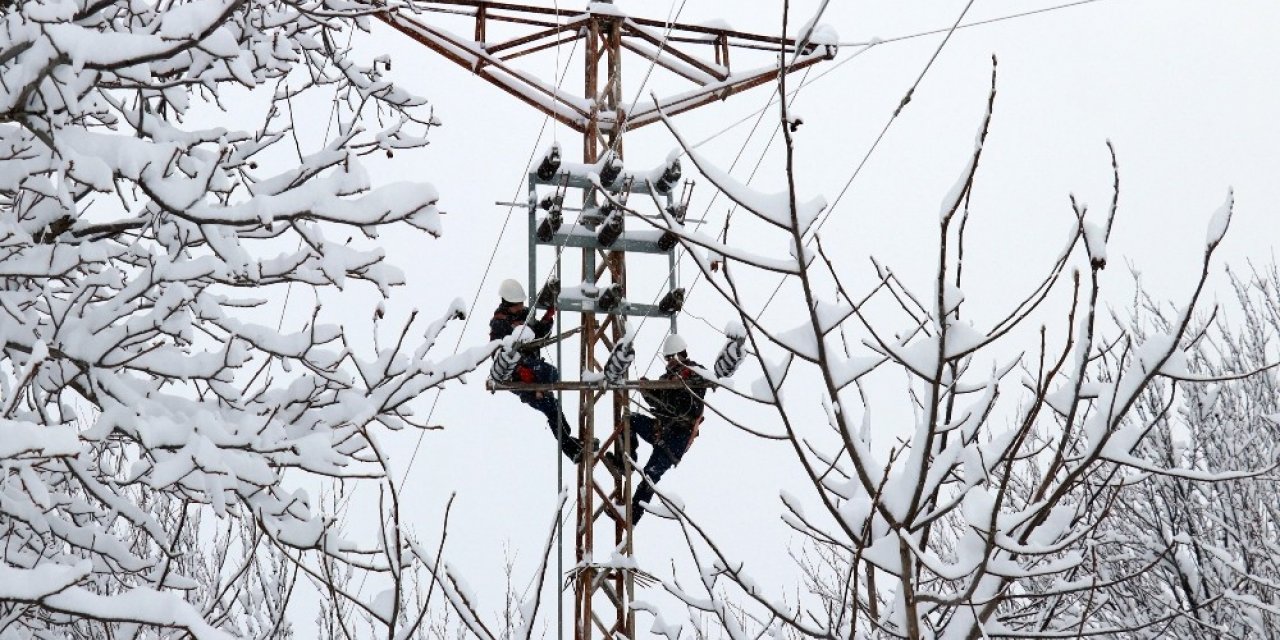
<point>611,170</point>
<point>678,211</point>
<point>550,163</point>
<point>670,176</point>
<point>610,298</point>
<point>504,364</point>
<point>549,294</point>
<point>550,225</point>
<point>672,302</point>
<point>731,356</point>
<point>668,241</point>
<point>553,201</point>
<point>615,370</point>
<point>611,230</point>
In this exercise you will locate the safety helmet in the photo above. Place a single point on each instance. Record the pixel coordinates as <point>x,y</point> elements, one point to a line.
<point>511,291</point>
<point>673,344</point>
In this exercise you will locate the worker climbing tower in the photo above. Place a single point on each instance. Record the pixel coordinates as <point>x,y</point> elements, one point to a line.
<point>603,577</point>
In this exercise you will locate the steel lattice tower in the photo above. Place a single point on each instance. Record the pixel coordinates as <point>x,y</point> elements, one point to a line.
<point>603,592</point>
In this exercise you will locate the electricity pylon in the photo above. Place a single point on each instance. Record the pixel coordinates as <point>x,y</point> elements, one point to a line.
<point>605,590</point>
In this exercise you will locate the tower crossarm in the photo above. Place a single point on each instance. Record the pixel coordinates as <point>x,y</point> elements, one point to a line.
<point>668,45</point>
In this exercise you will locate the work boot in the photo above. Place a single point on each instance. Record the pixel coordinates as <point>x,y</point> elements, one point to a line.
<point>636,512</point>
<point>613,462</point>
<point>571,448</point>
<point>576,456</point>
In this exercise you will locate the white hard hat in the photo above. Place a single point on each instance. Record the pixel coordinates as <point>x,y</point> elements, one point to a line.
<point>511,291</point>
<point>673,344</point>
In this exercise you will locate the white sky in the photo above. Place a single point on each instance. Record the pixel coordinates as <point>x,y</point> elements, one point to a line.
<point>1184,89</point>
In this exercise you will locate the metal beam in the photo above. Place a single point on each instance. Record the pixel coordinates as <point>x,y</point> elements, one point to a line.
<point>601,385</point>
<point>602,595</point>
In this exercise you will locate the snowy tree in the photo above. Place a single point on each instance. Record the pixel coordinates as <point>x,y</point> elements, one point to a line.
<point>1014,504</point>
<point>1208,548</point>
<point>158,429</point>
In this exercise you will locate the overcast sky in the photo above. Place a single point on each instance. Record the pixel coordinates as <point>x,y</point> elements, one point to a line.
<point>1184,89</point>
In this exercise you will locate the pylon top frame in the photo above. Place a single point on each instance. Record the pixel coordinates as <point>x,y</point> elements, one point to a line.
<point>668,45</point>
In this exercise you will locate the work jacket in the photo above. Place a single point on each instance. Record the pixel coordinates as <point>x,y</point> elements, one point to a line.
<point>683,405</point>
<point>508,316</point>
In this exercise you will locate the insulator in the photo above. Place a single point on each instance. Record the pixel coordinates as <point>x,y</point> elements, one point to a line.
<point>550,293</point>
<point>678,211</point>
<point>611,230</point>
<point>550,164</point>
<point>610,298</point>
<point>504,364</point>
<point>611,170</point>
<point>668,241</point>
<point>672,302</point>
<point>550,202</point>
<point>549,225</point>
<point>730,357</point>
<point>615,370</point>
<point>670,176</point>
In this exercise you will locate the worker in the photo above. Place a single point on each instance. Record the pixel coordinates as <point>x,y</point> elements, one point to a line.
<point>674,424</point>
<point>511,313</point>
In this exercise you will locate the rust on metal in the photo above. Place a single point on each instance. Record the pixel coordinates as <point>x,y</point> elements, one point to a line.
<point>603,594</point>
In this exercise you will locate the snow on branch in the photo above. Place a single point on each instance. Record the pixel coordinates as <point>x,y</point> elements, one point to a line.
<point>148,395</point>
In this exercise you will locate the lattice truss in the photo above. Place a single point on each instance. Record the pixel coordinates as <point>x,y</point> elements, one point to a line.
<point>669,45</point>
<point>604,576</point>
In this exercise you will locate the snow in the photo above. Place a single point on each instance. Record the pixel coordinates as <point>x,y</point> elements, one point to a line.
<point>734,329</point>
<point>564,104</point>
<point>1095,242</point>
<point>801,340</point>
<point>1220,221</point>
<point>962,339</point>
<point>774,208</point>
<point>43,580</point>
<point>135,378</point>
<point>384,604</point>
<point>30,440</point>
<point>845,371</point>
<point>825,35</point>
<point>604,8</point>
<point>689,71</point>
<point>144,605</point>
<point>660,625</point>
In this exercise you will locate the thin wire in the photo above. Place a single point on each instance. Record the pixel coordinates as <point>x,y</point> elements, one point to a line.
<point>773,99</point>
<point>488,267</point>
<point>742,149</point>
<point>559,531</point>
<point>511,208</point>
<point>906,99</point>
<point>967,25</point>
<point>866,156</point>
<point>706,212</point>
<point>866,46</point>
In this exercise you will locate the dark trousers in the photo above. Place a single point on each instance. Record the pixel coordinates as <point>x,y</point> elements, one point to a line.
<point>670,439</point>
<point>545,403</point>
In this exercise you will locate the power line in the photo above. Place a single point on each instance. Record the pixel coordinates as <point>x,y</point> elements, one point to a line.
<point>906,99</point>
<point>966,25</point>
<point>506,221</point>
<point>870,44</point>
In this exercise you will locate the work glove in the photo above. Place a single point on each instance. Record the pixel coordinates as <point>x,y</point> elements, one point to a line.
<point>550,315</point>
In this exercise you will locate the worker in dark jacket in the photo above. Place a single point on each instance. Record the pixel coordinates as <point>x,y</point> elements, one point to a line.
<point>674,424</point>
<point>511,313</point>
